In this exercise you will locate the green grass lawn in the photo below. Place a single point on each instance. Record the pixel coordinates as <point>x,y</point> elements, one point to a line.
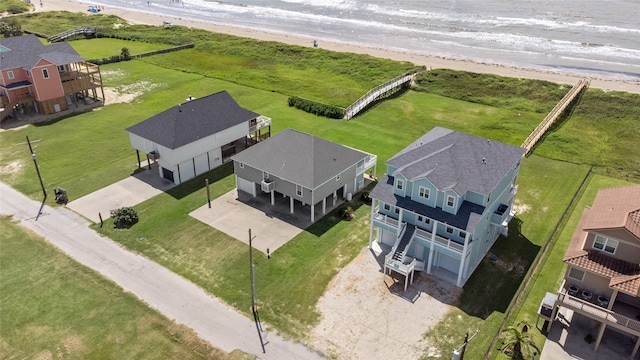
<point>111,47</point>
<point>53,307</point>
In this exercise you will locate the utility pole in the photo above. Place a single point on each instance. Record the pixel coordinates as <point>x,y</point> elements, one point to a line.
<point>256,318</point>
<point>44,191</point>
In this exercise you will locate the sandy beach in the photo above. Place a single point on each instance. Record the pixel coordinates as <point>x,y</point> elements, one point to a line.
<point>428,61</point>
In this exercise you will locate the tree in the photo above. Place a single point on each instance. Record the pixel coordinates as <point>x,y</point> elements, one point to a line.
<point>124,53</point>
<point>519,342</point>
<point>10,27</point>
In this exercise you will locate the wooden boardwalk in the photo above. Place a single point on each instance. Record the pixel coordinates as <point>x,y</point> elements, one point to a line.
<point>73,32</point>
<point>377,93</point>
<point>535,136</point>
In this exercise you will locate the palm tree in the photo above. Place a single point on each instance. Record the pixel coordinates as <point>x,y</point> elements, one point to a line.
<point>518,342</point>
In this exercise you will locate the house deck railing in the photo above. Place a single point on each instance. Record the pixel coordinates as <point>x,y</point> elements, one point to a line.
<point>449,244</point>
<point>599,313</point>
<point>261,122</point>
<point>388,220</point>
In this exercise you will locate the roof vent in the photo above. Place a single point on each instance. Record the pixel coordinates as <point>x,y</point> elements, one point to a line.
<point>484,161</point>
<point>180,107</point>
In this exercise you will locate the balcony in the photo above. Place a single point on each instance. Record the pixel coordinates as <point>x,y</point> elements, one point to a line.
<point>368,163</point>
<point>502,215</point>
<point>384,219</point>
<point>259,123</point>
<point>439,240</point>
<point>591,309</point>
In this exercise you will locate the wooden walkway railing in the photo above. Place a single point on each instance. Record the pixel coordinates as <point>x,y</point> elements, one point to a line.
<point>375,93</point>
<point>73,32</point>
<point>535,136</point>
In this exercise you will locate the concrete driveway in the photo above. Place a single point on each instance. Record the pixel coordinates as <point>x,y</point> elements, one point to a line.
<point>271,225</point>
<point>128,192</point>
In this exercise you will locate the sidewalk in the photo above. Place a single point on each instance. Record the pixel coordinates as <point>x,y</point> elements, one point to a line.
<point>172,295</point>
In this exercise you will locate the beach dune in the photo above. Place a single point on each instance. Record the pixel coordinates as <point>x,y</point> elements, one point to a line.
<point>431,62</point>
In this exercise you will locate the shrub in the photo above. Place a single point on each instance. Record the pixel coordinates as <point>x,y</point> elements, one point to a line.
<point>124,218</point>
<point>346,212</point>
<point>316,108</point>
<point>365,197</point>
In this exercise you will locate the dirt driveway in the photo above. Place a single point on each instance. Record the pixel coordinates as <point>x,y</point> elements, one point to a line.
<point>366,315</point>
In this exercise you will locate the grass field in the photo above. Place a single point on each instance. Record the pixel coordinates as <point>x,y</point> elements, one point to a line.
<point>90,151</point>
<point>53,307</point>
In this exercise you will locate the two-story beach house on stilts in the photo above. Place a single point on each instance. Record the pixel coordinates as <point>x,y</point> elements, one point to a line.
<point>602,281</point>
<point>38,79</point>
<point>443,202</point>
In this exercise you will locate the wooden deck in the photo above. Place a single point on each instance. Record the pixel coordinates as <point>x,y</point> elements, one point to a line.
<point>535,136</point>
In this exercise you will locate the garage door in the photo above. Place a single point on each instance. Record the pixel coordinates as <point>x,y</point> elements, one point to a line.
<point>449,263</point>
<point>246,186</point>
<point>388,237</point>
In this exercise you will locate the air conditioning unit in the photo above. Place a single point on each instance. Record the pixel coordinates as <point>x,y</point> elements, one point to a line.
<point>268,185</point>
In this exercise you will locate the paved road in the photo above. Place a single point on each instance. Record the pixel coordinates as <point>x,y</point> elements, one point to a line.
<point>162,289</point>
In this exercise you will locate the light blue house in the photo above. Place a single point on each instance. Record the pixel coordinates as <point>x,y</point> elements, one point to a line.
<point>443,202</point>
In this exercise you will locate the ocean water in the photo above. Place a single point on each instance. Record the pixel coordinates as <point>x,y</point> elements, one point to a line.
<point>585,37</point>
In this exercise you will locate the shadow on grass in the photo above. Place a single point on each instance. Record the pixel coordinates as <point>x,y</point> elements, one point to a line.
<point>333,217</point>
<point>496,280</point>
<point>198,183</point>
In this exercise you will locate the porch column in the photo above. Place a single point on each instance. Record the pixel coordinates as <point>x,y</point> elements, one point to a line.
<point>138,156</point>
<point>462,260</point>
<point>612,300</point>
<point>599,338</point>
<point>355,184</point>
<point>399,223</point>
<point>312,212</point>
<point>291,201</point>
<point>433,241</point>
<point>373,209</point>
<point>324,205</point>
<point>635,348</point>
<point>273,197</point>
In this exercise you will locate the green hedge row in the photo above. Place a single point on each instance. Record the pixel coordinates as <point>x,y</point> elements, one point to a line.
<point>317,108</point>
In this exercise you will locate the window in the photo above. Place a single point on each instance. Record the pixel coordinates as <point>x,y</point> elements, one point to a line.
<point>449,230</point>
<point>451,201</point>
<point>424,192</point>
<point>61,68</point>
<point>605,244</point>
<point>427,221</point>
<point>462,234</point>
<point>387,207</point>
<point>397,210</point>
<point>299,190</point>
<point>241,165</point>
<point>399,184</point>
<point>45,73</point>
<point>10,74</point>
<point>576,274</point>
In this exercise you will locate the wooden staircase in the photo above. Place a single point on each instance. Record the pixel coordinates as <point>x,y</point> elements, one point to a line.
<point>86,31</point>
<point>408,234</point>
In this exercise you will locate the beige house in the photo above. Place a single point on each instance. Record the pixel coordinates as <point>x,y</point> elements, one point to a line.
<point>602,280</point>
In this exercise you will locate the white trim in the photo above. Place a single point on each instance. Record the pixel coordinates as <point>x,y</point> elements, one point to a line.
<point>10,74</point>
<point>400,184</point>
<point>45,74</point>
<point>453,202</point>
<point>427,192</point>
<point>606,243</point>
<point>241,165</point>
<point>574,278</point>
<point>298,190</point>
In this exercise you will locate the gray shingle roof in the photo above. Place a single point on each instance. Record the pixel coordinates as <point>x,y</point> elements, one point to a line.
<point>466,219</point>
<point>457,161</point>
<point>25,52</point>
<point>193,120</point>
<point>300,158</point>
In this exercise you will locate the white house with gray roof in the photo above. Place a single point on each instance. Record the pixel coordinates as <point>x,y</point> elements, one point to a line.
<point>197,135</point>
<point>302,167</point>
<point>443,202</point>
